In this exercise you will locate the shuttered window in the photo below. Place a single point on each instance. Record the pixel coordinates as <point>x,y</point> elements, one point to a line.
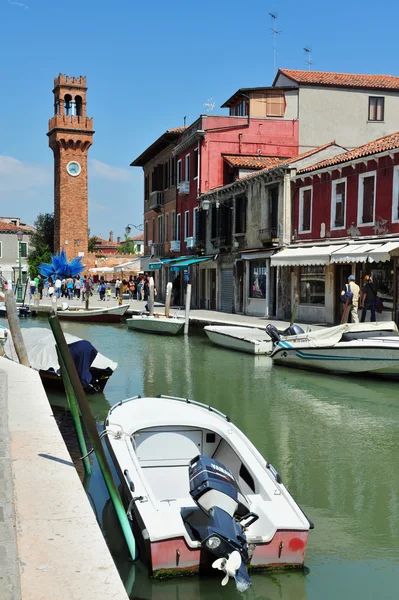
<point>275,104</point>
<point>376,108</point>
<point>368,199</point>
<point>305,210</point>
<point>338,204</point>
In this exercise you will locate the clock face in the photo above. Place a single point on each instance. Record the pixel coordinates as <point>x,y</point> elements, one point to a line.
<point>74,168</point>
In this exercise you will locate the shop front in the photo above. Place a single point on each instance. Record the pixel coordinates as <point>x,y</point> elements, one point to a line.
<point>257,280</point>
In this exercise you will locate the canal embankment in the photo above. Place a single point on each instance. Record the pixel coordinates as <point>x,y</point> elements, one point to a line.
<point>51,546</point>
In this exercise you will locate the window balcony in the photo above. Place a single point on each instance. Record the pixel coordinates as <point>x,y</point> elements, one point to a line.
<point>190,242</point>
<point>156,201</point>
<point>157,249</point>
<point>175,246</point>
<point>268,234</point>
<point>183,187</point>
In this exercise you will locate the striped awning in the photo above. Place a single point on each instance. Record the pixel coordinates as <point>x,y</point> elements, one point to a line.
<point>304,256</point>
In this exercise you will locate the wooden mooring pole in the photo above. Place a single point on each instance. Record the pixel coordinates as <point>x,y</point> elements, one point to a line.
<point>15,328</point>
<point>188,304</point>
<point>168,298</point>
<point>93,434</point>
<point>152,296</point>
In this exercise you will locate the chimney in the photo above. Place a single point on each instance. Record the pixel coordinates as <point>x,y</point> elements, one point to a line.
<point>111,236</point>
<point>118,239</point>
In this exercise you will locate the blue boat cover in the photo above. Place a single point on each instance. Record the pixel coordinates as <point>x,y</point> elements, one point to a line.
<point>83,354</point>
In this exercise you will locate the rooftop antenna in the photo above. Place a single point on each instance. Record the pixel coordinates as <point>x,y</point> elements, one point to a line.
<point>308,54</point>
<point>275,33</point>
<point>209,105</point>
<point>184,121</point>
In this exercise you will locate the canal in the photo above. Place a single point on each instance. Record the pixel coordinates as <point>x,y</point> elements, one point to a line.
<point>333,439</point>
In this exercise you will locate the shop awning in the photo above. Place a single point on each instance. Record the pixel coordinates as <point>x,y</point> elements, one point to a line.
<point>304,256</point>
<point>256,255</point>
<point>351,253</point>
<point>383,253</point>
<point>184,264</point>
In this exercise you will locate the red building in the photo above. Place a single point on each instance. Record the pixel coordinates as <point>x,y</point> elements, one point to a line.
<point>345,221</point>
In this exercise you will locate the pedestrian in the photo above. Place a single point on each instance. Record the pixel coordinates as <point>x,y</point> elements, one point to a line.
<point>57,287</point>
<point>101,290</point>
<point>50,289</point>
<point>40,287</point>
<point>37,281</point>
<point>140,289</point>
<point>69,287</point>
<point>132,289</point>
<point>369,295</point>
<point>350,295</point>
<point>78,287</point>
<point>63,288</point>
<point>108,293</point>
<point>32,287</point>
<point>146,288</point>
<point>117,287</point>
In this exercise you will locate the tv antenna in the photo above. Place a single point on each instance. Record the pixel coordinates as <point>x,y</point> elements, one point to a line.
<point>275,33</point>
<point>209,105</point>
<point>308,54</point>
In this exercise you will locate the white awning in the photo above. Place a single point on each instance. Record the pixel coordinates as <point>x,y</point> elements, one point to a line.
<point>354,253</point>
<point>256,255</point>
<point>139,264</point>
<point>303,256</point>
<point>383,253</point>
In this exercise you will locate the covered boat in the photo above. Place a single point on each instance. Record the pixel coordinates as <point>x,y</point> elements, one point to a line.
<point>360,348</point>
<point>199,493</point>
<point>94,369</point>
<point>93,315</point>
<point>245,339</point>
<point>156,324</point>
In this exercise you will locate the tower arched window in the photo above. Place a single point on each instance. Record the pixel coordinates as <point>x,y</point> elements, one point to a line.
<point>68,104</point>
<point>56,105</point>
<point>78,106</point>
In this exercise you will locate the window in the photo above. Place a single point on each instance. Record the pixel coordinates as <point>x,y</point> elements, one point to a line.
<point>338,203</point>
<point>366,203</point>
<point>195,165</point>
<point>167,227</point>
<point>383,280</point>
<point>305,210</point>
<point>157,183</point>
<point>153,230</point>
<point>240,109</point>
<point>146,233</point>
<point>172,171</point>
<point>186,224</point>
<point>178,225</point>
<point>257,279</point>
<point>146,187</point>
<point>312,285</point>
<point>23,249</point>
<point>173,233</point>
<point>195,222</point>
<point>160,229</point>
<point>187,168</point>
<point>376,108</point>
<point>214,222</point>
<point>179,172</point>
<point>166,170</point>
<point>275,104</point>
<point>395,195</point>
<point>241,214</point>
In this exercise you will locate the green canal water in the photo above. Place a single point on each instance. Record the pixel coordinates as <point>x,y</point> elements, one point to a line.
<point>334,440</point>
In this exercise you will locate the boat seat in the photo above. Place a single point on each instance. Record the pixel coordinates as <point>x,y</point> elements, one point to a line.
<point>168,482</point>
<point>363,335</point>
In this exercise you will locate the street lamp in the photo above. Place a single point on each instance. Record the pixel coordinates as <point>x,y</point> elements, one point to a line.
<point>129,226</point>
<point>20,235</point>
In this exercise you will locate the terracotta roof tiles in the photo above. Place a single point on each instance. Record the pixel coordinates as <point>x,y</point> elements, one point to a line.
<point>252,162</point>
<point>342,79</point>
<point>10,227</point>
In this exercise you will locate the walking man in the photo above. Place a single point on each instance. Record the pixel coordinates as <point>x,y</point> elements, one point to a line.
<point>352,292</point>
<point>57,286</point>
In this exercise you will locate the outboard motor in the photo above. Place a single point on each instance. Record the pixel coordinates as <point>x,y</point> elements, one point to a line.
<point>293,330</point>
<point>220,529</point>
<point>273,332</point>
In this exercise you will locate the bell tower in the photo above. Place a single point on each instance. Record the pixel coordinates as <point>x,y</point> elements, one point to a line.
<point>70,137</point>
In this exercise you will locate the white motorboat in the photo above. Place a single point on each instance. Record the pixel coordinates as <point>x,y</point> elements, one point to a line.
<point>244,339</point>
<point>362,348</point>
<point>156,324</point>
<point>198,490</point>
<point>93,315</point>
<point>94,369</point>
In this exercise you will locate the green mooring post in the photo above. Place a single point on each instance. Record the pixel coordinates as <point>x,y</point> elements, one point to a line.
<point>93,434</point>
<point>73,407</point>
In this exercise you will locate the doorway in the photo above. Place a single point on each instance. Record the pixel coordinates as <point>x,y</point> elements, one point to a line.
<point>212,288</point>
<point>342,273</point>
<point>240,286</point>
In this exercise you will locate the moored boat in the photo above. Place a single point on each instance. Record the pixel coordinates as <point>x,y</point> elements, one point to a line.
<point>358,348</point>
<point>198,490</point>
<point>94,315</point>
<point>156,324</point>
<point>94,369</point>
<point>244,339</point>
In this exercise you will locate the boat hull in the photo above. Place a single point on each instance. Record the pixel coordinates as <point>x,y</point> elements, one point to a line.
<point>370,360</point>
<point>100,379</point>
<point>106,315</point>
<point>242,339</point>
<point>161,326</point>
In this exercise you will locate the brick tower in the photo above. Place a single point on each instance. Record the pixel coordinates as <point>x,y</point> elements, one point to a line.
<point>70,137</point>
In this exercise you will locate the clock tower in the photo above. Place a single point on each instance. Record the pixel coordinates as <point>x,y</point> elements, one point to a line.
<point>70,137</point>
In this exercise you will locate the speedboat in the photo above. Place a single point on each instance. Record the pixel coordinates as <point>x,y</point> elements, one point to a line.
<point>356,348</point>
<point>246,339</point>
<point>156,324</point>
<point>94,369</point>
<point>22,311</point>
<point>199,494</point>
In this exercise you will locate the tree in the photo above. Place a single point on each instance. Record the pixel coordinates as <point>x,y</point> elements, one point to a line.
<point>41,242</point>
<point>93,242</point>
<point>127,247</point>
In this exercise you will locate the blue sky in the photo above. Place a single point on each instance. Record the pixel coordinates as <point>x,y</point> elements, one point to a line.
<point>149,64</point>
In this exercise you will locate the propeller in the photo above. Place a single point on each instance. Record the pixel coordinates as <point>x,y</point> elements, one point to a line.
<point>229,565</point>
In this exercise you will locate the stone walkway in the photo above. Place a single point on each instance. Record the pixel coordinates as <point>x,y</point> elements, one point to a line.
<point>9,571</point>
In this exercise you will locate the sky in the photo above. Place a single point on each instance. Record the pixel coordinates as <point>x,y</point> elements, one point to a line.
<point>148,65</point>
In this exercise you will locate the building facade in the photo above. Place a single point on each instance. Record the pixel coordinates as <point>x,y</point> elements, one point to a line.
<point>11,249</point>
<point>70,137</point>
